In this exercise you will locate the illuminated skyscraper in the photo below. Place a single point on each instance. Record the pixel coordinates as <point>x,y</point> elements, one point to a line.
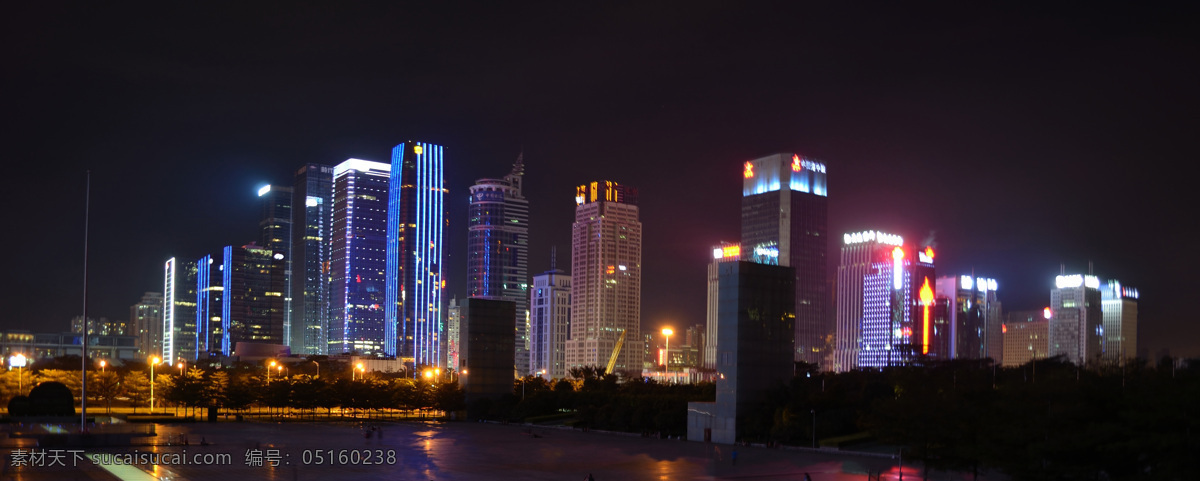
<point>497,251</point>
<point>210,326</point>
<point>1076,322</point>
<point>453,329</point>
<point>550,323</point>
<point>179,310</point>
<point>416,218</point>
<point>886,310</point>
<point>276,226</point>
<point>974,315</point>
<point>252,285</point>
<point>606,277</point>
<point>784,222</point>
<point>723,253</point>
<point>145,318</point>
<point>312,194</point>
<point>1119,305</point>
<point>358,242</point>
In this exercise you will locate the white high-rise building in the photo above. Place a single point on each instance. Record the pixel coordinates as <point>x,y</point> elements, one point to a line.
<point>1076,327</point>
<point>1119,306</point>
<point>550,323</point>
<point>722,253</point>
<point>606,277</point>
<point>861,252</point>
<point>145,318</point>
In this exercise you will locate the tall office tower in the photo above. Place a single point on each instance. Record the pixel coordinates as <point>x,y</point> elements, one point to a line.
<point>309,287</point>
<point>497,251</point>
<point>357,258</point>
<point>416,220</point>
<point>860,253</point>
<point>897,308</point>
<point>975,317</point>
<point>209,320</point>
<point>1119,307</point>
<point>276,226</point>
<point>1026,336</point>
<point>453,328</point>
<point>252,285</point>
<point>784,222</point>
<point>606,277</point>
<point>754,342</point>
<point>550,323</point>
<point>1076,323</point>
<point>179,310</point>
<point>145,318</point>
<point>725,252</point>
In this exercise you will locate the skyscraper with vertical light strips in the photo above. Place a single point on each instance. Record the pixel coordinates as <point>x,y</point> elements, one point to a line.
<point>606,277</point>
<point>498,251</point>
<point>313,190</point>
<point>416,222</point>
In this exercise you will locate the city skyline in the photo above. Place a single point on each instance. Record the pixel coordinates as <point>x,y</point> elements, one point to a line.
<point>958,113</point>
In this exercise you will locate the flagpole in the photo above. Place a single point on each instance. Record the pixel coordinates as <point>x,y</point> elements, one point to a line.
<point>83,385</point>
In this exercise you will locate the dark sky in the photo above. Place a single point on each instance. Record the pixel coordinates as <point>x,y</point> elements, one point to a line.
<point>1023,136</point>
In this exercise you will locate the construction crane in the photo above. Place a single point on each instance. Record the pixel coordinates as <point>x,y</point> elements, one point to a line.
<point>612,360</point>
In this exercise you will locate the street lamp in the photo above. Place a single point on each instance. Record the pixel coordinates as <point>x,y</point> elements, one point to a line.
<point>153,361</point>
<point>269,372</point>
<point>361,371</point>
<point>102,364</point>
<point>318,368</point>
<point>18,360</point>
<point>666,332</point>
<point>180,368</point>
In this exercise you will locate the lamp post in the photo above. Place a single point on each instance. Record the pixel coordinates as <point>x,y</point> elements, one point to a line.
<point>18,360</point>
<point>102,364</point>
<point>180,368</point>
<point>153,361</point>
<point>269,371</point>
<point>359,367</point>
<point>666,332</point>
<point>318,368</point>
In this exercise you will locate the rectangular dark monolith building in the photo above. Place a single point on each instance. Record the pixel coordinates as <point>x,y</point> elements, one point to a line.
<point>486,338</point>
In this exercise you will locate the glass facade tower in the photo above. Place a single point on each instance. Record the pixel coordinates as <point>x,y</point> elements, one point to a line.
<point>357,257</point>
<point>785,222</point>
<point>414,224</point>
<point>309,251</point>
<point>497,251</point>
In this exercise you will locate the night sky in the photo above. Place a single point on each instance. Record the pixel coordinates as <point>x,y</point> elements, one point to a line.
<point>1020,137</point>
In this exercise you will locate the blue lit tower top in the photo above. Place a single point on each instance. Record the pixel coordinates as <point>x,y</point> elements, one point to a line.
<point>416,221</point>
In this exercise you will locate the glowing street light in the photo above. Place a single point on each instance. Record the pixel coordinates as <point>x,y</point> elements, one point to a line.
<point>153,361</point>
<point>102,364</point>
<point>361,370</point>
<point>180,368</point>
<point>18,360</point>
<point>269,371</point>
<point>666,332</point>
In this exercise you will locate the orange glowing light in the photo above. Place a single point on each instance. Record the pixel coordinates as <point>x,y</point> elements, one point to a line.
<point>926,295</point>
<point>796,163</point>
<point>929,251</point>
<point>611,270</point>
<point>731,251</point>
<point>749,170</point>
<point>897,253</point>
<point>1046,313</point>
<point>1004,328</point>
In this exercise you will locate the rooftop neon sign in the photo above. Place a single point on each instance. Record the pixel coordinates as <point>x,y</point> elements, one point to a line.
<point>873,236</point>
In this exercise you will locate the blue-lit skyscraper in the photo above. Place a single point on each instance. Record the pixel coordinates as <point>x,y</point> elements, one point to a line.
<point>785,222</point>
<point>179,310</point>
<point>312,194</point>
<point>357,260</point>
<point>498,251</point>
<point>416,220</point>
